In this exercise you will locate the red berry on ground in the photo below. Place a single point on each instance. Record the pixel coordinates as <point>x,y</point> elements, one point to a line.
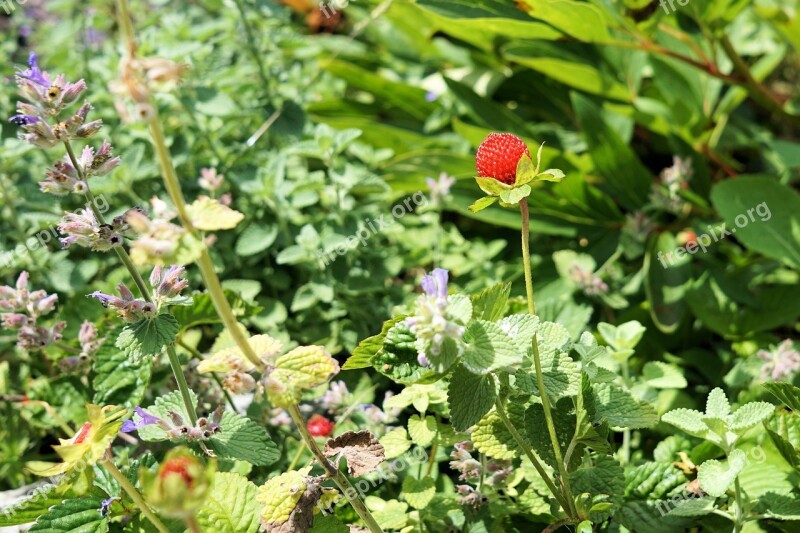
<point>498,156</point>
<point>319,426</point>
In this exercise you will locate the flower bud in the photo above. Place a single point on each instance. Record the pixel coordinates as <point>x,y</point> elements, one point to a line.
<point>180,485</point>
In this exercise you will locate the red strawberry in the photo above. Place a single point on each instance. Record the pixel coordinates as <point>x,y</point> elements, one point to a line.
<point>319,426</point>
<point>179,466</point>
<point>498,156</point>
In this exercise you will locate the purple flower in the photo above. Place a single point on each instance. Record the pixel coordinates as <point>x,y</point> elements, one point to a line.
<point>23,120</point>
<point>34,73</point>
<point>435,283</point>
<point>105,505</point>
<point>145,419</point>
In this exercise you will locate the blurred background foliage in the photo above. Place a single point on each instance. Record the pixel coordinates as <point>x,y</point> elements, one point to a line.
<point>666,120</point>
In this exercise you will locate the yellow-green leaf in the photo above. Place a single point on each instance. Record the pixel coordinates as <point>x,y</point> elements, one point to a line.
<point>208,214</point>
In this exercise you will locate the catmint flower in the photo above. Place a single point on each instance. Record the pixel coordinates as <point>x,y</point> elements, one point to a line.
<point>33,337</point>
<point>129,308</point>
<point>673,179</point>
<point>158,240</point>
<point>19,299</point>
<point>82,228</point>
<point>88,339</point>
<point>781,363</point>
<point>440,188</point>
<point>144,419</point>
<point>50,95</point>
<point>209,179</point>
<point>167,284</point>
<point>432,322</point>
<point>588,282</point>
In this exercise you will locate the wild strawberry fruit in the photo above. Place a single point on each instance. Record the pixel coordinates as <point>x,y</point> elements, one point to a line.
<point>319,426</point>
<point>177,466</point>
<point>498,156</point>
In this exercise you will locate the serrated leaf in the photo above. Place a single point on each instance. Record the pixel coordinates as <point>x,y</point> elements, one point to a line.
<point>551,174</point>
<point>539,437</point>
<point>118,379</point>
<point>230,506</point>
<point>30,509</point>
<point>492,438</point>
<point>779,506</point>
<point>395,443</point>
<point>482,203</point>
<point>459,308</point>
<point>488,348</point>
<point>692,507</point>
<point>148,336</point>
<point>491,186</point>
<point>232,358</point>
<point>688,420</point>
<point>422,430</point>
<point>369,347</point>
<point>717,476</point>
<point>301,369</point>
<point>751,414</point>
<point>489,304</point>
<point>361,450</point>
<point>419,492</point>
<point>620,409</point>
<point>208,214</point>
<point>717,404</point>
<point>280,496</point>
<point>470,397</point>
<point>241,438</point>
<point>73,516</point>
<point>521,328</point>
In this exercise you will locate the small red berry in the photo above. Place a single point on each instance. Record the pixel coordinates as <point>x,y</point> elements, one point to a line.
<point>319,426</point>
<point>498,156</point>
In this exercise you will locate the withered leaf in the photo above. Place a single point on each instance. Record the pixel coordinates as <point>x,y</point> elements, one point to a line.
<point>363,451</point>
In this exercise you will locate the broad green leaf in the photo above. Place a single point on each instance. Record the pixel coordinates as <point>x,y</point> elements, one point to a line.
<point>73,516</point>
<point>422,430</point>
<point>241,438</point>
<point>786,393</point>
<point>779,506</point>
<point>231,505</point>
<point>751,414</point>
<point>539,436</point>
<point>418,492</point>
<point>390,514</point>
<point>208,214</point>
<point>255,239</point>
<point>279,496</point>
<point>623,337</point>
<point>482,203</point>
<point>717,476</point>
<point>621,409</point>
<point>488,348</point>
<point>581,20</point>
<point>491,186</point>
<point>148,336</point>
<point>666,282</point>
<point>602,475</point>
<point>763,214</point>
<point>688,420</point>
<point>169,403</point>
<point>470,397</point>
<point>118,379</point>
<point>232,358</point>
<point>717,405</point>
<point>489,304</point>
<point>367,349</point>
<point>31,508</point>
<point>560,374</point>
<point>660,375</point>
<point>492,438</point>
<point>395,443</point>
<point>526,172</point>
<point>516,194</point>
<point>202,310</point>
<point>551,174</point>
<point>521,328</point>
<point>301,369</point>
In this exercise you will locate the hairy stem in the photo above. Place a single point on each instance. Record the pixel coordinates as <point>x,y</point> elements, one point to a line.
<point>108,464</point>
<point>548,414</point>
<point>333,472</point>
<point>739,516</point>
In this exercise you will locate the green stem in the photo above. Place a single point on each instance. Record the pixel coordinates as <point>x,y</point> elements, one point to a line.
<point>333,472</point>
<point>134,494</point>
<point>174,362</point>
<point>548,415</point>
<point>197,355</point>
<point>625,452</point>
<point>523,444</point>
<point>739,516</point>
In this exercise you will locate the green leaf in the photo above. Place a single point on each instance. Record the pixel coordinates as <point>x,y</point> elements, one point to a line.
<point>367,349</point>
<point>492,187</point>
<point>521,328</point>
<point>395,443</point>
<point>118,379</point>
<point>422,430</point>
<point>623,337</point>
<point>786,449</point>
<point>516,194</point>
<point>620,408</point>
<point>148,336</point>
<point>716,477</point>
<point>667,281</point>
<point>279,496</point>
<point>470,397</point>
<point>492,438</point>
<point>488,348</point>
<point>30,509</point>
<point>786,393</point>
<point>482,203</point>
<point>717,405</point>
<point>583,21</point>
<point>255,239</point>
<point>750,414</point>
<point>688,420</point>
<point>601,475</point>
<point>231,505</point>
<point>539,437</point>
<point>241,438</point>
<point>526,172</point>
<point>551,174</point>
<point>301,369</point>
<point>768,215</point>
<point>169,403</point>
<point>490,304</point>
<point>73,516</point>
<point>660,375</point>
<point>208,214</point>
<point>202,310</point>
<point>419,492</point>
<point>779,506</point>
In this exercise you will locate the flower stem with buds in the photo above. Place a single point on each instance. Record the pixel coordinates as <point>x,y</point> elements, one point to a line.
<point>546,406</point>
<point>174,362</point>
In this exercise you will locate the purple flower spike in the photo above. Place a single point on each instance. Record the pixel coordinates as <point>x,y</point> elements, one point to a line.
<point>435,284</point>
<point>145,419</point>
<point>23,120</point>
<point>33,72</point>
